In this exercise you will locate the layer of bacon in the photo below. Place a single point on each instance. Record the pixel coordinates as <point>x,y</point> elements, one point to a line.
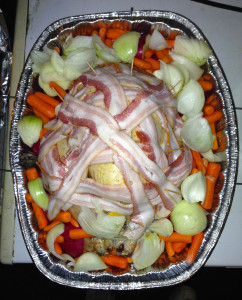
<point>98,117</point>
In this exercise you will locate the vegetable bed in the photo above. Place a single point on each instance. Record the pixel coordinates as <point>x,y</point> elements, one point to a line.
<point>104,199</point>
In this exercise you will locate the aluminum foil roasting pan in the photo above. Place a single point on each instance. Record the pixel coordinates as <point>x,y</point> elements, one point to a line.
<point>175,273</point>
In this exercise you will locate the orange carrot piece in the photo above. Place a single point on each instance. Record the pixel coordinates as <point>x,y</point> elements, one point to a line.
<point>206,85</point>
<point>193,171</point>
<point>212,174</point>
<point>102,33</point>
<point>43,132</point>
<point>140,63</point>
<point>50,100</point>
<point>51,225</point>
<point>215,142</point>
<point>169,249</point>
<point>148,53</point>
<point>217,115</point>
<point>94,32</point>
<point>78,233</point>
<point>63,217</point>
<point>208,110</point>
<point>205,163</point>
<point>32,173</point>
<point>213,169</point>
<point>170,42</point>
<point>198,159</point>
<point>195,247</point>
<point>39,114</point>
<point>178,247</point>
<point>40,216</point>
<point>74,222</point>
<point>29,198</point>
<point>114,33</point>
<point>163,55</point>
<point>115,261</point>
<point>177,237</point>
<point>129,259</point>
<point>155,64</point>
<point>59,90</point>
<point>58,248</point>
<point>41,106</point>
<point>57,49</point>
<point>210,186</point>
<point>108,42</point>
<point>59,239</point>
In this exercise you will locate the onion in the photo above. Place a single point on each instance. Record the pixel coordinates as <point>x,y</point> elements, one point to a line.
<point>188,218</point>
<point>51,236</point>
<point>193,188</point>
<point>147,250</point>
<point>157,41</point>
<point>163,227</point>
<point>29,128</point>
<point>196,134</point>
<point>38,193</point>
<point>89,261</point>
<point>190,100</point>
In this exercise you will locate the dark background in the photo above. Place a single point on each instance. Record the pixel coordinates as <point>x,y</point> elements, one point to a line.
<point>26,280</point>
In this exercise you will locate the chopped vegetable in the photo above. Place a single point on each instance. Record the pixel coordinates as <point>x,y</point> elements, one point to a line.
<point>162,227</point>
<point>195,247</point>
<point>38,193</point>
<point>147,251</point>
<point>193,188</point>
<point>29,128</point>
<point>126,46</point>
<point>89,261</point>
<point>157,41</point>
<point>188,218</point>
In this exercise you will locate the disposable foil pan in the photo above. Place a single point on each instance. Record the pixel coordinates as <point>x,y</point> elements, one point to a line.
<point>175,273</point>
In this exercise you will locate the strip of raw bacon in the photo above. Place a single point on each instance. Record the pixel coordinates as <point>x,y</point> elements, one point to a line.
<point>143,212</point>
<point>114,97</point>
<point>87,200</point>
<point>180,168</point>
<point>102,124</point>
<point>73,176</point>
<point>142,106</point>
<point>52,163</point>
<point>149,137</point>
<point>50,139</point>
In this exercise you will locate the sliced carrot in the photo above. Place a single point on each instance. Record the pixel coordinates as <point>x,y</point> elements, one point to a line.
<point>163,55</point>
<point>193,171</point>
<point>78,233</point>
<point>140,63</point>
<point>102,33</point>
<point>59,239</point>
<point>148,53</point>
<point>50,100</point>
<point>169,249</point>
<point>43,132</point>
<point>59,90</point>
<point>217,115</point>
<point>198,160</point>
<point>114,33</point>
<point>63,217</point>
<point>40,216</point>
<point>178,247</point>
<point>58,248</point>
<point>195,247</point>
<point>57,49</point>
<point>170,42</point>
<point>115,261</point>
<point>206,85</point>
<point>43,117</point>
<point>215,141</point>
<point>212,174</point>
<point>74,222</point>
<point>155,64</point>
<point>51,225</point>
<point>177,237</point>
<point>29,198</point>
<point>108,42</point>
<point>41,106</point>
<point>208,109</point>
<point>94,32</point>
<point>32,173</point>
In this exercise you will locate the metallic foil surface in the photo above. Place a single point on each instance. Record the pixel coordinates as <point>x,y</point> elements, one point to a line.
<point>150,278</point>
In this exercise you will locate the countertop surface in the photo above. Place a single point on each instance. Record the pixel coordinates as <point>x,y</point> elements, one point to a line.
<point>223,29</point>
